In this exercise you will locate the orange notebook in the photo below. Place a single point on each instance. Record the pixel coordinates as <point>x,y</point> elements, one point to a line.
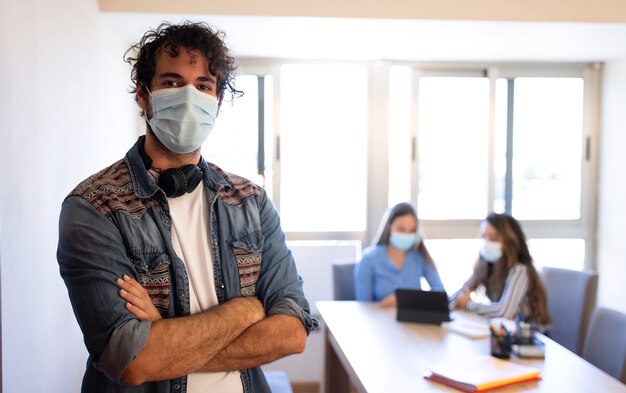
<point>482,374</point>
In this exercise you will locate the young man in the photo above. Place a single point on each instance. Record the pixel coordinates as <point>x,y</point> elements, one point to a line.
<point>177,271</point>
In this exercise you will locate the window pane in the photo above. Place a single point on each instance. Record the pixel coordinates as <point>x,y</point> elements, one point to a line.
<point>233,143</point>
<point>455,259</point>
<point>399,134</point>
<point>323,147</point>
<point>547,140</point>
<point>500,141</point>
<point>453,138</point>
<point>268,179</point>
<point>563,253</point>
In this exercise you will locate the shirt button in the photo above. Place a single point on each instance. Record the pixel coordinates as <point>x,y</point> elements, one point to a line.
<point>177,386</point>
<point>222,285</point>
<point>182,295</point>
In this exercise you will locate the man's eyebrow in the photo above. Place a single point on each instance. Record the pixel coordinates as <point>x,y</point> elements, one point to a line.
<point>174,75</point>
<point>171,75</point>
<point>205,79</point>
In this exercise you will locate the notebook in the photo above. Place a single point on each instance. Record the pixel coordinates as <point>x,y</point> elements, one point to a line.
<point>482,373</point>
<point>468,328</point>
<point>415,305</point>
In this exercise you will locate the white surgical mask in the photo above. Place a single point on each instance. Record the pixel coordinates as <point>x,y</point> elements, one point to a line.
<point>182,117</point>
<point>403,241</point>
<point>491,251</point>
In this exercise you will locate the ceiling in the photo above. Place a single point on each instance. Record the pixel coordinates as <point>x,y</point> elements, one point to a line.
<point>399,39</point>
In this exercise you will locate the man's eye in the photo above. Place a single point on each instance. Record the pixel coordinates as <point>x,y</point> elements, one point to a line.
<point>170,83</point>
<point>204,87</point>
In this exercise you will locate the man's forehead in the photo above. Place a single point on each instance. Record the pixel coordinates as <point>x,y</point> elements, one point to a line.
<point>174,52</point>
<point>169,60</point>
<point>170,55</point>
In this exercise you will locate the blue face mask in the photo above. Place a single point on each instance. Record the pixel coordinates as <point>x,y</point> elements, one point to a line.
<point>491,251</point>
<point>403,241</point>
<point>182,117</point>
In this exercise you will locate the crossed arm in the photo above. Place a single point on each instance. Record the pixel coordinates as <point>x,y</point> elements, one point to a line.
<point>232,336</point>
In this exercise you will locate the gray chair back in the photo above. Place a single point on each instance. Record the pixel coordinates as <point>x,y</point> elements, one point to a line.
<point>605,344</point>
<point>571,300</point>
<point>343,280</point>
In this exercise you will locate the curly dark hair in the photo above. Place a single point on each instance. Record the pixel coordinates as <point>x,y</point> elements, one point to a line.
<point>171,37</point>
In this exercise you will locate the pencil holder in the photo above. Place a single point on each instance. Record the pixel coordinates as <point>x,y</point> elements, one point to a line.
<point>501,345</point>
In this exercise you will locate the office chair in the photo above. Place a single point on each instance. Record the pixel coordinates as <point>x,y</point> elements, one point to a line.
<point>571,300</point>
<point>343,279</point>
<point>605,343</point>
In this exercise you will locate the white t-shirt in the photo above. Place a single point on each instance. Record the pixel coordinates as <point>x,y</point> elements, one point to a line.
<point>192,243</point>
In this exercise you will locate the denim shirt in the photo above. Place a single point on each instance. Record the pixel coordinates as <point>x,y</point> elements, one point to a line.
<point>117,222</point>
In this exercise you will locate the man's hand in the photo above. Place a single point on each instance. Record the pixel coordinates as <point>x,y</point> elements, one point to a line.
<point>137,299</point>
<point>182,345</point>
<point>139,303</point>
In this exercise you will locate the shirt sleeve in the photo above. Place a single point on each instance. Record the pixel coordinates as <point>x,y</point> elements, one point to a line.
<point>452,299</point>
<point>432,277</point>
<point>364,279</point>
<point>515,289</point>
<point>280,287</point>
<point>91,256</point>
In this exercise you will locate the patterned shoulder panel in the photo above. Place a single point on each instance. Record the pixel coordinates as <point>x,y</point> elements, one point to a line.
<point>240,188</point>
<point>111,190</point>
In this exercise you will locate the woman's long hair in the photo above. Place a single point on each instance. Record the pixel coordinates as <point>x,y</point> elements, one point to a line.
<point>384,231</point>
<point>514,250</point>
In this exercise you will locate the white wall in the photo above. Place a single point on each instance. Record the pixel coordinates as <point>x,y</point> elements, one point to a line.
<point>611,259</point>
<point>65,113</point>
<point>555,10</point>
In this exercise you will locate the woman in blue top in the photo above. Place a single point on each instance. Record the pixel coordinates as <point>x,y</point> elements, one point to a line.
<point>397,259</point>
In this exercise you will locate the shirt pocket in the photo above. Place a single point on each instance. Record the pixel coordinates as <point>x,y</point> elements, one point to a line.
<point>248,250</point>
<point>154,270</point>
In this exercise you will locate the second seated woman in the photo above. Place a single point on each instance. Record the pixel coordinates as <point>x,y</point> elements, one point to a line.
<point>397,258</point>
<point>505,273</point>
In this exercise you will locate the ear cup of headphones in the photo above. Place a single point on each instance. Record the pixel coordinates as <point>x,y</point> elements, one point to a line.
<point>177,181</point>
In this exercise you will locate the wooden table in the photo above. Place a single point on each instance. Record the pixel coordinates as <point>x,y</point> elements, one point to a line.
<point>368,348</point>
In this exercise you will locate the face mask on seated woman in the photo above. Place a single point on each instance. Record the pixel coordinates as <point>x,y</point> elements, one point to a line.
<point>491,251</point>
<point>403,241</point>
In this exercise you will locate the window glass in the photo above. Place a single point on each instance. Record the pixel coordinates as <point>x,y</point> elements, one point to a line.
<point>547,139</point>
<point>455,259</point>
<point>323,147</point>
<point>233,143</point>
<point>268,179</point>
<point>453,121</point>
<point>500,142</point>
<point>563,253</point>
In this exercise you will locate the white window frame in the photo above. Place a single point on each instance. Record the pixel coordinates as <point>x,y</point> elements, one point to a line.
<point>378,142</point>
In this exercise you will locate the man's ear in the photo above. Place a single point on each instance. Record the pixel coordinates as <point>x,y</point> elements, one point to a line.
<point>140,97</point>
